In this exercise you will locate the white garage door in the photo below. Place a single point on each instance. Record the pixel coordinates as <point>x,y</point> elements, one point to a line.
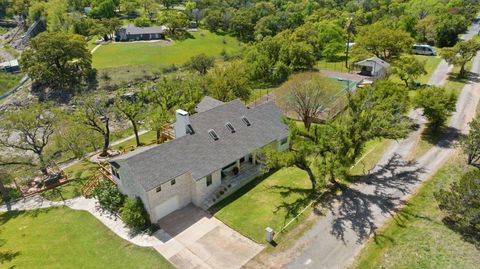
<point>167,207</point>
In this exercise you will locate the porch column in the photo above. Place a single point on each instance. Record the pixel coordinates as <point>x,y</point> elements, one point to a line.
<point>238,164</point>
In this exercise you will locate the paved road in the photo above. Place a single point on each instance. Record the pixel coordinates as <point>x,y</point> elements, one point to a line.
<point>335,240</point>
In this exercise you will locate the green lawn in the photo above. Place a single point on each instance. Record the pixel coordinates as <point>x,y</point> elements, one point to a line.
<point>271,201</point>
<point>65,238</point>
<point>8,81</point>
<point>161,54</point>
<point>147,138</point>
<point>417,238</point>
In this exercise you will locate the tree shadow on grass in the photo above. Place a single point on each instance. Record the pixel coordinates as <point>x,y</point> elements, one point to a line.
<point>293,208</point>
<point>376,194</point>
<point>7,256</point>
<point>444,137</point>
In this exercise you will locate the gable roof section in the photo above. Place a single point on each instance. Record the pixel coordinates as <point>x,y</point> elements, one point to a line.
<point>134,30</point>
<point>373,61</point>
<point>199,154</point>
<point>207,103</point>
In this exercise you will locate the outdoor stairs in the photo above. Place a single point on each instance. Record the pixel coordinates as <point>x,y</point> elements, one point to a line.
<point>230,186</point>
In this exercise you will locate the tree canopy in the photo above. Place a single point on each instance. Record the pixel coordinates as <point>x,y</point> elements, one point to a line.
<point>58,61</point>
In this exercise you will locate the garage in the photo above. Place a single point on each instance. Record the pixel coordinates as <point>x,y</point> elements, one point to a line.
<point>167,207</point>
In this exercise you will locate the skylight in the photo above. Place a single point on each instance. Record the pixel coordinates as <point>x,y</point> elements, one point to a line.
<point>230,127</point>
<point>214,135</point>
<point>190,129</point>
<point>246,121</point>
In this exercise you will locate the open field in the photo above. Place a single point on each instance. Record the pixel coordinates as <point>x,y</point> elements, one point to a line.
<point>416,237</point>
<point>65,238</point>
<point>163,53</point>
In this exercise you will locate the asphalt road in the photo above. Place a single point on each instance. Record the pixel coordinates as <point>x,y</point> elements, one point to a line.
<point>353,217</point>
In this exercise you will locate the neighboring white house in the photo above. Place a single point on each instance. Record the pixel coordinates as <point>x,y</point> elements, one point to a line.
<point>373,67</point>
<point>214,151</point>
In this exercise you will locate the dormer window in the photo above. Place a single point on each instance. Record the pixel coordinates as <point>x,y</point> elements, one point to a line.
<point>230,127</point>
<point>246,121</point>
<point>190,129</point>
<point>213,134</point>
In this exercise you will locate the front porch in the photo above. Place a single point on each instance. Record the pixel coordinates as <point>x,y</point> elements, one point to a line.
<point>248,170</point>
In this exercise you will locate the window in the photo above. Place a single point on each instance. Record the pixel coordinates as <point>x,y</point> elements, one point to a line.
<point>213,134</point>
<point>230,127</point>
<point>158,189</point>
<point>284,141</point>
<point>246,121</point>
<point>172,182</point>
<point>209,180</point>
<point>190,129</point>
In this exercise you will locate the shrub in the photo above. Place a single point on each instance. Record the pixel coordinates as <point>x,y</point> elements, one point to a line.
<point>461,204</point>
<point>437,103</point>
<point>108,196</point>
<point>134,214</point>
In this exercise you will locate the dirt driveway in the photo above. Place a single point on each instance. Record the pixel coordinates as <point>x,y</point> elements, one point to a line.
<point>197,240</point>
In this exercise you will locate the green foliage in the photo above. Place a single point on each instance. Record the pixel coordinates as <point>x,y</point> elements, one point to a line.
<point>373,112</point>
<point>108,196</point>
<point>326,38</point>
<point>461,54</point>
<point>134,214</point>
<point>174,20</point>
<point>461,203</point>
<point>471,143</point>
<point>383,41</point>
<point>409,68</point>
<point>229,81</point>
<point>201,63</point>
<point>142,22</point>
<point>103,9</point>
<point>437,103</point>
<point>448,27</point>
<point>59,61</point>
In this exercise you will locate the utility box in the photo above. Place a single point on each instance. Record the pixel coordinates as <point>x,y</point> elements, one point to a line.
<point>269,233</point>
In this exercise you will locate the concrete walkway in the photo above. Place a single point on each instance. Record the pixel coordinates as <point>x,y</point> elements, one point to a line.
<point>355,215</point>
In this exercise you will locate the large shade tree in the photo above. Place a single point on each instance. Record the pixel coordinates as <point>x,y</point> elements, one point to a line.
<point>58,61</point>
<point>461,54</point>
<point>383,41</point>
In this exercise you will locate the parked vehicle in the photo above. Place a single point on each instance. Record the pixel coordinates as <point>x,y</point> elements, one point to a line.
<point>424,50</point>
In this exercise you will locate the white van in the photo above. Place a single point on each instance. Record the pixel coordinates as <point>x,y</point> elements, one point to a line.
<point>424,50</point>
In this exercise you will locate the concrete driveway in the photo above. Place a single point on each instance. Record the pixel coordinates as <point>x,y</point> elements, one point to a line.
<point>194,239</point>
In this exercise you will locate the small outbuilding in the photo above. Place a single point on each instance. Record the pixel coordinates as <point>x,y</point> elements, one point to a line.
<point>10,66</point>
<point>373,67</point>
<point>131,32</point>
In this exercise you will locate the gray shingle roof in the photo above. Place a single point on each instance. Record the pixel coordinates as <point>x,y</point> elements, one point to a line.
<point>199,154</point>
<point>208,103</point>
<point>373,61</point>
<point>134,30</point>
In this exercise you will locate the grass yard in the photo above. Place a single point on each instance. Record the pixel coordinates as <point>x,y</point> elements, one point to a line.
<point>65,238</point>
<point>271,201</point>
<point>147,138</point>
<point>416,237</point>
<point>163,54</point>
<point>8,81</point>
